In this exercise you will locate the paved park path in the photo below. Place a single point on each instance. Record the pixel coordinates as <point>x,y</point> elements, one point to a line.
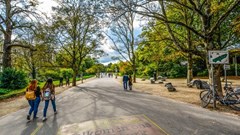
<point>103,98</point>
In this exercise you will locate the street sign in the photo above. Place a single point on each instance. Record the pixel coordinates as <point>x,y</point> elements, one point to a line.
<point>218,57</point>
<point>226,67</point>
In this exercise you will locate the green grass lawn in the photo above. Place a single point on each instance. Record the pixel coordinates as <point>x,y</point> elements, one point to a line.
<point>5,93</point>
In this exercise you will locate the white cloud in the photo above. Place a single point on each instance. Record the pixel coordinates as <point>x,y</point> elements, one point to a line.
<point>46,6</point>
<point>106,47</point>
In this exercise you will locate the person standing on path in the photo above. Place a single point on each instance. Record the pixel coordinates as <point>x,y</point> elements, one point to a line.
<point>49,94</point>
<point>67,81</point>
<point>61,81</point>
<point>130,83</point>
<point>125,82</point>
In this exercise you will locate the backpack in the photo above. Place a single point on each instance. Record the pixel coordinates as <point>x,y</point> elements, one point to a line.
<point>47,94</point>
<point>30,95</point>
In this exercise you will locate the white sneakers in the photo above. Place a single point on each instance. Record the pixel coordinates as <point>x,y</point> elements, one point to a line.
<point>44,118</point>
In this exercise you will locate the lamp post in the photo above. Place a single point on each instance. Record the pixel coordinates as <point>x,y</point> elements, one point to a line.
<point>116,72</point>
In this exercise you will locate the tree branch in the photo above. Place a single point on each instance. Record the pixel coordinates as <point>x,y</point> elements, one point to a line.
<point>23,46</point>
<point>224,16</point>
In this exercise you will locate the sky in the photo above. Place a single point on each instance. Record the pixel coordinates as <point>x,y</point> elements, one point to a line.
<point>46,7</point>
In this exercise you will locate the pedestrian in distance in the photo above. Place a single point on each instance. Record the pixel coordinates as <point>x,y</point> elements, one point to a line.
<point>67,81</point>
<point>130,83</point>
<point>61,81</point>
<point>49,94</point>
<point>31,97</point>
<point>125,82</point>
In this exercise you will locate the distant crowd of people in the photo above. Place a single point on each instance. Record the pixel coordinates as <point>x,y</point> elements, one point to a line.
<point>127,79</point>
<point>109,75</point>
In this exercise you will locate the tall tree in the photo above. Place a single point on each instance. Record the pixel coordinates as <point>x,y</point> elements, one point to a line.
<point>123,36</point>
<point>37,59</point>
<point>15,15</point>
<point>77,32</point>
<point>210,14</point>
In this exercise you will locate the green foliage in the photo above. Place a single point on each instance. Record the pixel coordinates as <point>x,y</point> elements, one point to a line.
<point>4,91</point>
<point>97,68</point>
<point>51,74</point>
<point>176,71</point>
<point>66,72</point>
<point>12,93</point>
<point>11,78</point>
<point>203,73</point>
<point>232,72</point>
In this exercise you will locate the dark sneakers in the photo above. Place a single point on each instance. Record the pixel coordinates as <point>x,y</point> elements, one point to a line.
<point>36,117</point>
<point>28,117</point>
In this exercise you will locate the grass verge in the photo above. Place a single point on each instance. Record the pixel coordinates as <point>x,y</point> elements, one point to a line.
<point>6,94</point>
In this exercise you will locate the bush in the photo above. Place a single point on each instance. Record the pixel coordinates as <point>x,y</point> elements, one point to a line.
<point>203,73</point>
<point>66,73</point>
<point>11,78</point>
<point>177,71</point>
<point>4,91</point>
<point>51,74</point>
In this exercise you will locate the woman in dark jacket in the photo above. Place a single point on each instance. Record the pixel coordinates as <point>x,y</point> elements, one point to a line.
<point>37,101</point>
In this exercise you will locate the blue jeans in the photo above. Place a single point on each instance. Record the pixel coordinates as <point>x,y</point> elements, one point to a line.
<point>36,104</point>
<point>125,85</point>
<point>31,103</point>
<point>46,107</point>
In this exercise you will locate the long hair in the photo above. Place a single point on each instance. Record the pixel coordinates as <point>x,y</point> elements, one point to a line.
<point>48,84</point>
<point>33,85</point>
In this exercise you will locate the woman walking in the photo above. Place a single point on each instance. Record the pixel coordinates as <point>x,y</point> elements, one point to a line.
<point>37,101</point>
<point>49,94</point>
<point>31,96</point>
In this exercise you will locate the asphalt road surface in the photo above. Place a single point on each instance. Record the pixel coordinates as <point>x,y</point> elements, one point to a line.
<point>104,98</point>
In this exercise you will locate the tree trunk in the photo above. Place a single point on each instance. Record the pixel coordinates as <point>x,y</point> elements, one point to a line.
<point>134,70</point>
<point>217,80</point>
<point>134,75</point>
<point>74,81</point>
<point>6,56</point>
<point>82,76</point>
<point>7,37</point>
<point>189,68</point>
<point>34,72</point>
<point>206,22</point>
<point>7,50</point>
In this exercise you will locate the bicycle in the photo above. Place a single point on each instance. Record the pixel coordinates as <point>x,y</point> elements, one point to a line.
<point>231,98</point>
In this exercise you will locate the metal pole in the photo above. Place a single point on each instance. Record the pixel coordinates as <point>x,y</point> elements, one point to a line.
<point>213,87</point>
<point>236,74</point>
<point>225,75</point>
